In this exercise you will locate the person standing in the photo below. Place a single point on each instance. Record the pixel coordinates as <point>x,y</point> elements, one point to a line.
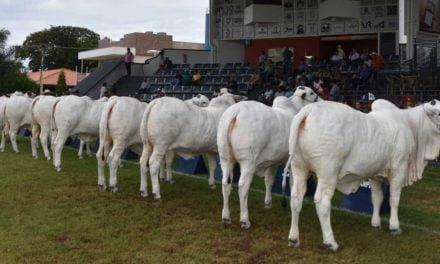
<point>287,60</point>
<point>104,91</point>
<point>128,60</point>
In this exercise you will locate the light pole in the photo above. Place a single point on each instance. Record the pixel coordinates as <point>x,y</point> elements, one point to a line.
<point>43,51</point>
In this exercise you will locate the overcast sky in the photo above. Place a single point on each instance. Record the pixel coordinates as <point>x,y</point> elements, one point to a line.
<point>184,19</point>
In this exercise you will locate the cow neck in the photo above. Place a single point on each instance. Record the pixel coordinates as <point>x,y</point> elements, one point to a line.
<point>430,117</point>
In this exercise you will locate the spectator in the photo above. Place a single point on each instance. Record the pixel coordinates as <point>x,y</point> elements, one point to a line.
<point>232,83</point>
<point>335,91</point>
<point>103,91</point>
<point>340,51</point>
<point>354,58</point>
<point>262,59</point>
<point>268,70</point>
<point>365,73</point>
<point>186,78</point>
<point>177,79</point>
<point>287,60</point>
<point>358,106</point>
<point>302,66</point>
<point>336,58</point>
<point>289,92</point>
<point>365,57</point>
<point>159,93</point>
<point>267,95</point>
<point>197,78</point>
<point>376,62</point>
<point>279,92</point>
<point>145,84</point>
<point>128,60</point>
<point>254,80</point>
<point>367,99</point>
<point>316,83</point>
<point>166,65</point>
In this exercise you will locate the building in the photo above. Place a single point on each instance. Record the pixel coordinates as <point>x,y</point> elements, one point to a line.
<point>143,45</point>
<point>50,78</point>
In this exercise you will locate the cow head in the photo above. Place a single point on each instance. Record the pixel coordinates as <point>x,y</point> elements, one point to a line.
<point>307,94</point>
<point>432,110</point>
<point>200,100</point>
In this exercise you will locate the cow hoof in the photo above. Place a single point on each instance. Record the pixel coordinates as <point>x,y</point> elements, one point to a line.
<point>47,158</point>
<point>143,194</point>
<point>397,231</point>
<point>35,157</point>
<point>102,187</point>
<point>212,186</point>
<point>267,205</point>
<point>161,179</point>
<point>331,247</point>
<point>16,151</point>
<point>113,189</point>
<point>80,157</point>
<point>2,150</point>
<point>170,182</point>
<point>58,169</point>
<point>293,243</point>
<point>226,221</point>
<point>156,196</point>
<point>376,227</point>
<point>245,224</point>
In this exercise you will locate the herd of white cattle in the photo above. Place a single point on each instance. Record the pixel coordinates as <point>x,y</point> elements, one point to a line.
<point>342,147</point>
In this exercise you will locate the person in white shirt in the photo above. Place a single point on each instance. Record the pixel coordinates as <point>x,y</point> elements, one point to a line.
<point>103,91</point>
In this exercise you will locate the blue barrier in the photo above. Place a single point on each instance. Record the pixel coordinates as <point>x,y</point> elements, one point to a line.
<point>24,133</point>
<point>360,201</point>
<point>191,166</point>
<point>218,174</point>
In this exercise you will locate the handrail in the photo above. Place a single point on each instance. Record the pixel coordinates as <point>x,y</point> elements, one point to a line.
<point>93,83</point>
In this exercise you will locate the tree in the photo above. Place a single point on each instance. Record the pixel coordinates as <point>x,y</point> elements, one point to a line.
<point>11,77</point>
<point>61,84</point>
<point>61,45</point>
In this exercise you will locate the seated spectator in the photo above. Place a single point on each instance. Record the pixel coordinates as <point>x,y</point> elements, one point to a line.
<point>289,92</point>
<point>301,66</point>
<point>186,78</point>
<point>255,80</point>
<point>365,57</point>
<point>145,84</point>
<point>336,58</point>
<point>340,51</point>
<point>177,79</point>
<point>159,93</point>
<point>354,58</point>
<point>367,100</point>
<point>358,106</point>
<point>197,78</point>
<point>280,91</point>
<point>365,73</point>
<point>316,83</point>
<point>267,95</point>
<point>232,83</point>
<point>335,91</point>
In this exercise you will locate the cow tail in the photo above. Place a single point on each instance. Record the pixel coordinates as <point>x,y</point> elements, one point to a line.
<point>5,130</point>
<point>293,140</point>
<point>53,125</point>
<point>103,128</point>
<point>226,125</point>
<point>143,128</point>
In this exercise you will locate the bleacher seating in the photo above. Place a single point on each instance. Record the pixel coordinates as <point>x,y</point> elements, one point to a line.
<point>214,77</point>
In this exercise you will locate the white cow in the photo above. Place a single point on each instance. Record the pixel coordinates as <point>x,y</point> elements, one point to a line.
<point>3,100</point>
<point>119,129</point>
<point>256,137</point>
<point>17,115</point>
<point>74,115</point>
<point>343,147</point>
<point>170,124</point>
<point>41,120</point>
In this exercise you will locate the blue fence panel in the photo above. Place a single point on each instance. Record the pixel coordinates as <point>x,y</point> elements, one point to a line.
<point>360,201</point>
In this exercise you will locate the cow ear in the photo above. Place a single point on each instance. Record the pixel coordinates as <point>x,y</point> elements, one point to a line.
<point>433,102</point>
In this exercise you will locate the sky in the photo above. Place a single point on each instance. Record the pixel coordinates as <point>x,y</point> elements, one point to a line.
<point>184,19</point>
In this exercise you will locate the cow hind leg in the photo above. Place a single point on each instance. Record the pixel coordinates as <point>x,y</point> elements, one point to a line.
<point>101,166</point>
<point>89,149</point>
<point>156,159</point>
<point>297,193</point>
<point>3,142</point>
<point>34,140</point>
<point>324,193</point>
<point>376,200</point>
<point>81,149</point>
<point>44,139</point>
<point>212,164</point>
<point>58,148</point>
<point>113,164</point>
<point>162,174</point>
<point>269,177</point>
<point>146,151</point>
<point>247,174</point>
<point>13,138</point>
<point>227,171</point>
<point>169,157</point>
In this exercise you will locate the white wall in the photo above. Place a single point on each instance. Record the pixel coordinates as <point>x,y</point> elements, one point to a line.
<point>263,14</point>
<point>228,51</point>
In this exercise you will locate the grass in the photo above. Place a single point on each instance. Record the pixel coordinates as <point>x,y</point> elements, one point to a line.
<point>49,217</point>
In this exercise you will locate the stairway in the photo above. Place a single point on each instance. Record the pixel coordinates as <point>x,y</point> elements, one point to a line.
<point>128,85</point>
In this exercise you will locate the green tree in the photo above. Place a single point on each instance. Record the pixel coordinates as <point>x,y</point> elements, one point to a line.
<point>11,77</point>
<point>61,45</point>
<point>61,84</point>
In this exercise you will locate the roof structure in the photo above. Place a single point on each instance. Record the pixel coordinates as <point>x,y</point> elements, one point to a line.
<point>50,77</point>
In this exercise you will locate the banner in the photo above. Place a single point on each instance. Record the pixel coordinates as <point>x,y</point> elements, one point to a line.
<point>429,15</point>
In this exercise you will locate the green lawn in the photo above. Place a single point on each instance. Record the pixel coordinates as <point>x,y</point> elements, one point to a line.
<point>49,217</point>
